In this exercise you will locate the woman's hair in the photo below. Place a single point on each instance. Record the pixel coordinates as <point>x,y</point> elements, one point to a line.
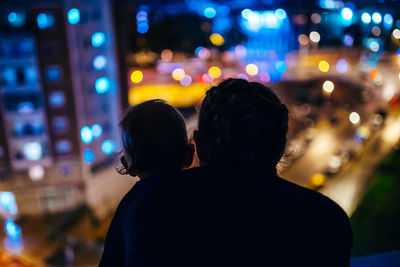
<point>244,122</point>
<point>154,138</point>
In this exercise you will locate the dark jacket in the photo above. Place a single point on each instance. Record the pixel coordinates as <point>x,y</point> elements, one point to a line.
<point>210,216</point>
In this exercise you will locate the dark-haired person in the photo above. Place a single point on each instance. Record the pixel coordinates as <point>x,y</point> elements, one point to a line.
<point>155,145</point>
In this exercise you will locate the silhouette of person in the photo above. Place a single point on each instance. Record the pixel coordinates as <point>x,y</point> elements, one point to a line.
<point>234,210</point>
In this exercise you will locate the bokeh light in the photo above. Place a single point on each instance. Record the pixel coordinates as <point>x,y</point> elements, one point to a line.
<point>86,135</point>
<point>328,87</point>
<point>186,80</point>
<point>108,147</point>
<point>323,66</point>
<point>316,18</point>
<point>366,18</point>
<point>136,76</point>
<point>303,39</point>
<point>396,33</point>
<point>178,74</point>
<point>167,55</point>
<point>342,66</point>
<point>98,39</point>
<point>32,150</point>
<point>377,17</point>
<point>97,131</point>
<point>217,39</point>
<point>354,118</point>
<point>347,13</point>
<point>214,72</point>
<point>251,69</point>
<point>373,74</point>
<point>209,12</point>
<point>280,66</point>
<point>99,62</point>
<point>102,85</point>
<point>315,37</point>
<point>73,16</point>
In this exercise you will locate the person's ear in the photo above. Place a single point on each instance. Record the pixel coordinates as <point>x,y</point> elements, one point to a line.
<point>189,156</point>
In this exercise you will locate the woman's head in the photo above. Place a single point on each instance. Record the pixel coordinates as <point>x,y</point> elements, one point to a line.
<point>154,138</point>
<point>241,121</point>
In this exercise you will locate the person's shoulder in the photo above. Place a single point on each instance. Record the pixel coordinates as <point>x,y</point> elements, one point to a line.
<point>313,199</point>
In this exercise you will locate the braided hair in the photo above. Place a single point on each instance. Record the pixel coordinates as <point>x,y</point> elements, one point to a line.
<point>243,122</point>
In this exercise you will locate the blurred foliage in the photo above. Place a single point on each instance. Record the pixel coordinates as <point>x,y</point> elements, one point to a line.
<point>376,220</point>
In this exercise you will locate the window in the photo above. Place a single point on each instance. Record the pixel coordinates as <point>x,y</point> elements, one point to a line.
<point>60,124</point>
<point>53,74</point>
<point>57,99</point>
<point>63,146</point>
<point>45,21</point>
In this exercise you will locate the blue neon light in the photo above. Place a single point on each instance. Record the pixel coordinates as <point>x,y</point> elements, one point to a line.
<point>73,16</point>
<point>86,135</point>
<point>102,85</point>
<point>107,147</point>
<point>98,39</point>
<point>99,62</point>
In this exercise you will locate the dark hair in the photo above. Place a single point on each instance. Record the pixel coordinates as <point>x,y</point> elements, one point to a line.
<point>154,138</point>
<point>243,122</point>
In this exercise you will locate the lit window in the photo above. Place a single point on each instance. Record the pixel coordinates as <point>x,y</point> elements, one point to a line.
<point>60,124</point>
<point>53,74</point>
<point>32,150</point>
<point>88,155</point>
<point>98,39</point>
<point>73,16</point>
<point>45,21</point>
<point>99,62</point>
<point>57,99</point>
<point>16,19</point>
<point>63,146</point>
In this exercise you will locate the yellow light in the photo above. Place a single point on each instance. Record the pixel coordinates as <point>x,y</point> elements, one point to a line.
<point>214,72</point>
<point>323,66</point>
<point>136,76</point>
<point>399,75</point>
<point>251,69</point>
<point>174,94</point>
<point>328,87</point>
<point>178,74</point>
<point>317,180</point>
<point>217,39</point>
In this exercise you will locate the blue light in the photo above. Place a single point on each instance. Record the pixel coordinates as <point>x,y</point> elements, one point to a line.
<point>347,13</point>
<point>246,13</point>
<point>142,27</point>
<point>398,52</point>
<point>280,13</point>
<point>32,150</point>
<point>45,21</point>
<point>102,85</point>
<point>348,39</point>
<point>63,146</point>
<point>86,135</point>
<point>98,39</point>
<point>96,130</point>
<point>107,147</point>
<point>57,99</point>
<point>73,16</point>
<point>388,19</point>
<point>7,202</point>
<point>16,19</point>
<point>99,62</point>
<point>342,66</point>
<point>209,12</point>
<point>176,66</point>
<point>376,17</point>
<point>53,74</point>
<point>88,155</point>
<point>224,10</point>
<point>280,66</point>
<point>13,230</point>
<point>366,18</point>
